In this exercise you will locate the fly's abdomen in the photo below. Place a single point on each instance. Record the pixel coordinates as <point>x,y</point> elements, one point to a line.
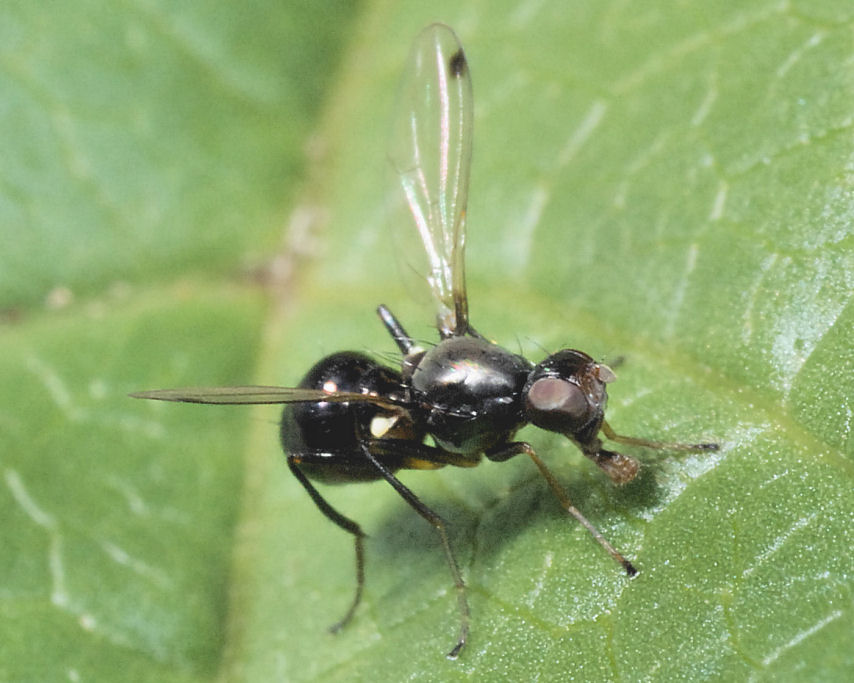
<point>334,433</point>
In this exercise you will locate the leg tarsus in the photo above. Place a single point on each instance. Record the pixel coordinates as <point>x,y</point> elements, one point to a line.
<point>347,525</point>
<point>620,468</point>
<point>359,541</point>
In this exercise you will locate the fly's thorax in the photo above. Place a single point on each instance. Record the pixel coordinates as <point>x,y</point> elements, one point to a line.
<point>471,393</point>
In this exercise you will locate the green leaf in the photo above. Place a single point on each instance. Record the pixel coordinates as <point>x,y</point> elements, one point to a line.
<point>667,184</point>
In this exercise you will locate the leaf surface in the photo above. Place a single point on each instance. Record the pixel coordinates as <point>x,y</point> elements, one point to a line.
<point>665,186</point>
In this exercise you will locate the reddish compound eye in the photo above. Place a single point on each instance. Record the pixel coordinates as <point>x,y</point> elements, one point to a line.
<point>552,394</point>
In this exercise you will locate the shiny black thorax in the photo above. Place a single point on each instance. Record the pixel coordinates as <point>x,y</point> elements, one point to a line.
<point>467,394</point>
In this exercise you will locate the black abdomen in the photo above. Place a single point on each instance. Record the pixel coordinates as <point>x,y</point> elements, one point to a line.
<point>325,438</point>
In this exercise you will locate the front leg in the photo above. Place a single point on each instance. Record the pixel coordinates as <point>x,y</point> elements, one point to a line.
<point>662,445</point>
<point>620,468</point>
<point>623,468</point>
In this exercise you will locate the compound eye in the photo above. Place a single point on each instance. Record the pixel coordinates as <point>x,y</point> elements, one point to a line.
<point>551,394</point>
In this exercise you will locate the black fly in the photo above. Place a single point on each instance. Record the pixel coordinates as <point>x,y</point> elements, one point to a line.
<point>353,419</point>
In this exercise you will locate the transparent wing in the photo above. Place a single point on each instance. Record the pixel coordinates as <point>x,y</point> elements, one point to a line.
<point>431,152</point>
<point>253,395</point>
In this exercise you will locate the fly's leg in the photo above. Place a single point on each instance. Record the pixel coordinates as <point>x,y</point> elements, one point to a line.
<point>404,454</point>
<point>620,468</point>
<point>439,524</point>
<point>348,525</point>
<point>623,468</point>
<point>518,447</point>
<point>662,445</point>
<point>404,342</point>
<point>395,329</point>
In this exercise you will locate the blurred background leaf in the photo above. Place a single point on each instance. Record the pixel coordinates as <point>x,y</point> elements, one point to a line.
<point>198,196</point>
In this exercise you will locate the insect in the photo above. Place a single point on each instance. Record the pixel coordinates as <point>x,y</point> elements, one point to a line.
<point>353,419</point>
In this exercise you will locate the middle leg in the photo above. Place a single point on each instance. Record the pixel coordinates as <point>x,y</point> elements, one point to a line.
<point>518,447</point>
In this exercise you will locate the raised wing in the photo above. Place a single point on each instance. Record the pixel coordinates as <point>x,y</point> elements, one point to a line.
<point>431,151</point>
<point>256,395</point>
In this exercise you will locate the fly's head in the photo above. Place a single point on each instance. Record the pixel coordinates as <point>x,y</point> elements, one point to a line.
<point>566,393</point>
